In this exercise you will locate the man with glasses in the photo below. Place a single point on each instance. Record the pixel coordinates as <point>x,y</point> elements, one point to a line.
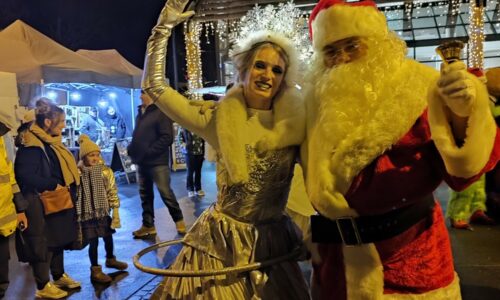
<point>383,132</point>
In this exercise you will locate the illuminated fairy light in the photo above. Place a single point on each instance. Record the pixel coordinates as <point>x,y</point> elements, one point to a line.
<point>476,36</point>
<point>455,7</point>
<point>192,34</point>
<point>284,18</point>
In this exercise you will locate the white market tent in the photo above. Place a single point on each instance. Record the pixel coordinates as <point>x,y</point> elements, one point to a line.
<point>36,59</point>
<point>113,59</point>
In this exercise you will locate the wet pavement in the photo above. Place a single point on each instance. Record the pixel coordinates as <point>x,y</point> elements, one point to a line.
<point>477,253</point>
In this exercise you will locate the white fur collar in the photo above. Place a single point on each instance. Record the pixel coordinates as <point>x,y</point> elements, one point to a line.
<point>288,128</point>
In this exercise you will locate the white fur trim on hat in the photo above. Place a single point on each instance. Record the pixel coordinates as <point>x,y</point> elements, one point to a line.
<point>285,43</point>
<point>343,21</point>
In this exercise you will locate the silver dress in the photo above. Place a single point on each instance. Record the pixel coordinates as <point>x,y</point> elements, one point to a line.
<point>245,225</point>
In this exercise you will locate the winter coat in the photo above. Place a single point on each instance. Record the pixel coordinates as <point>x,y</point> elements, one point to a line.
<point>195,145</point>
<point>91,126</point>
<point>116,125</point>
<point>152,137</point>
<point>391,161</point>
<point>37,170</point>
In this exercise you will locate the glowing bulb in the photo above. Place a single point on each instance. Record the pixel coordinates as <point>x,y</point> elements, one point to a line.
<point>112,95</point>
<point>52,95</point>
<point>76,96</point>
<point>102,103</point>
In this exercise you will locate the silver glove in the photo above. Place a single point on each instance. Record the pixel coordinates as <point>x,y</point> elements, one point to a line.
<point>153,78</point>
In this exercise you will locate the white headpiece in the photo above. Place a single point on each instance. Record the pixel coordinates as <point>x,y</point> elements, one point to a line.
<point>246,44</point>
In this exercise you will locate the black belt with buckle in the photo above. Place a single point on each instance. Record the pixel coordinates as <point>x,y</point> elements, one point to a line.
<point>353,231</point>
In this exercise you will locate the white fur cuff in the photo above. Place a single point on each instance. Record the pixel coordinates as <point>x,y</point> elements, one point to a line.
<point>471,158</point>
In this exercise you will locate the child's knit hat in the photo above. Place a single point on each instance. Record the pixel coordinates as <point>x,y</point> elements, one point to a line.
<point>87,145</point>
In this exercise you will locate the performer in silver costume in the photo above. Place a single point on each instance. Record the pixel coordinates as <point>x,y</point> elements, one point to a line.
<point>255,129</point>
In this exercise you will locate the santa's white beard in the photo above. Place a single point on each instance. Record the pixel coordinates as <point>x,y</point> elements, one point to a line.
<point>349,95</point>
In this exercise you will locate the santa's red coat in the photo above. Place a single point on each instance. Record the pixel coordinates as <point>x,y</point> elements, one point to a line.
<point>418,260</point>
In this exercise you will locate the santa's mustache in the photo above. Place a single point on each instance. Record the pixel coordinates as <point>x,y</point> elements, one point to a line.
<point>363,78</point>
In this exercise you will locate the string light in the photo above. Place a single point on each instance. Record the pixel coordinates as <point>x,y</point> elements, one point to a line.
<point>476,36</point>
<point>192,33</point>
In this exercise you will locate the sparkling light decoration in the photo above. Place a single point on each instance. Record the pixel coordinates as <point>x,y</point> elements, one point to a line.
<point>455,7</point>
<point>284,18</point>
<point>476,36</point>
<point>192,33</point>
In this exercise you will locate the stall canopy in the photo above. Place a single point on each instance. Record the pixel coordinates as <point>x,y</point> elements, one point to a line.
<point>35,58</point>
<point>113,59</point>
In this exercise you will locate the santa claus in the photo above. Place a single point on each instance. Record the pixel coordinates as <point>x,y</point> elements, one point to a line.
<point>383,132</point>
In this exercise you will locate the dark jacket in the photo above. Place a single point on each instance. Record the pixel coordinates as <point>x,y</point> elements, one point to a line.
<point>152,137</point>
<point>116,125</point>
<point>91,126</point>
<point>195,145</point>
<point>38,171</point>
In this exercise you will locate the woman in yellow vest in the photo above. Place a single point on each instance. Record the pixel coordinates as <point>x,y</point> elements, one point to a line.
<point>9,194</point>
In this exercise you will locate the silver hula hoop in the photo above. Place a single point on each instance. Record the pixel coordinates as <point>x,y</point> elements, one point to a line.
<point>204,273</point>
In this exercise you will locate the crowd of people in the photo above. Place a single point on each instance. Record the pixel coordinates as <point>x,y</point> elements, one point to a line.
<point>374,132</point>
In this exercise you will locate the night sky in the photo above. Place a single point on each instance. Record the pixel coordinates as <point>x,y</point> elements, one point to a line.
<point>123,25</point>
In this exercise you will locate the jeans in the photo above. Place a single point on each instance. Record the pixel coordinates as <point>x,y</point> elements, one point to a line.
<point>54,263</point>
<point>194,164</point>
<point>159,175</point>
<point>4,264</point>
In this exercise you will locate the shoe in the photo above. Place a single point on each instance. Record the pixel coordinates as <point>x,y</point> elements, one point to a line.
<point>96,275</point>
<point>191,194</point>
<point>460,224</point>
<point>200,193</point>
<point>180,226</point>
<point>144,232</point>
<point>480,217</point>
<point>67,282</point>
<point>116,264</point>
<point>50,291</point>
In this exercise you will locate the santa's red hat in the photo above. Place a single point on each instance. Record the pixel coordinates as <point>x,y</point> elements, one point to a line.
<point>333,20</point>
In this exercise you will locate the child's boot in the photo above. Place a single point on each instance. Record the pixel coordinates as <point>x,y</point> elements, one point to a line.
<point>116,264</point>
<point>97,275</point>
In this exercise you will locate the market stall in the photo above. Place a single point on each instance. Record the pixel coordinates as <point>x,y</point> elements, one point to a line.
<point>97,89</point>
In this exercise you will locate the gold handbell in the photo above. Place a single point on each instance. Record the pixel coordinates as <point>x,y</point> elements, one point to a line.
<point>450,51</point>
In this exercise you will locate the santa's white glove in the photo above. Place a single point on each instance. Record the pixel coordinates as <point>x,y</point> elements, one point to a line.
<point>204,105</point>
<point>456,88</point>
<point>115,220</point>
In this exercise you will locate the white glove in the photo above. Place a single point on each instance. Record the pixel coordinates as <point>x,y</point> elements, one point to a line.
<point>456,88</point>
<point>115,220</point>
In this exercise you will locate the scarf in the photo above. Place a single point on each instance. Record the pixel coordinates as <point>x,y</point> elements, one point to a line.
<point>92,202</point>
<point>36,136</point>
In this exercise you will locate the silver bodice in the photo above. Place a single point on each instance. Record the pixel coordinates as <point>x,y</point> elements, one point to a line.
<point>263,198</point>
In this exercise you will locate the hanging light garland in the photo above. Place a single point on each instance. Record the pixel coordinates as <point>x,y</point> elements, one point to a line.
<point>192,33</point>
<point>476,38</point>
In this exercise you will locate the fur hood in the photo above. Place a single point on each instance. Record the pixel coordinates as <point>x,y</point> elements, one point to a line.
<point>288,128</point>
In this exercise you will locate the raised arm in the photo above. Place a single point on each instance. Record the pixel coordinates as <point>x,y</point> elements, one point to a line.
<point>461,123</point>
<point>169,101</point>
